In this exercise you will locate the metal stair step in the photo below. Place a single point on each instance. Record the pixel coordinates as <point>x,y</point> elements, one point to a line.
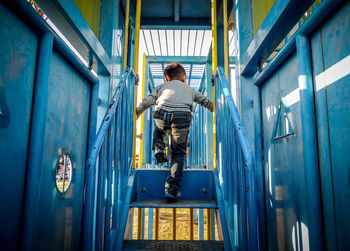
<point>171,245</point>
<point>178,204</point>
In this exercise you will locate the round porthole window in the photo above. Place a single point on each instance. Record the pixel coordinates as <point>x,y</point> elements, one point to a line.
<point>63,173</point>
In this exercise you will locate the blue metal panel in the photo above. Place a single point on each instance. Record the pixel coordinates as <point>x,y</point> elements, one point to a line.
<point>286,201</point>
<point>282,17</point>
<point>312,179</point>
<point>330,54</point>
<point>84,29</point>
<point>196,184</point>
<point>18,49</point>
<point>66,131</point>
<point>322,11</point>
<point>32,190</point>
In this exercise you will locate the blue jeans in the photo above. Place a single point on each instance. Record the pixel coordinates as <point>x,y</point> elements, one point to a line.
<point>178,125</point>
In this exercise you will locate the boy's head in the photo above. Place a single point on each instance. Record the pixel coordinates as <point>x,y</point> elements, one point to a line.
<point>175,71</point>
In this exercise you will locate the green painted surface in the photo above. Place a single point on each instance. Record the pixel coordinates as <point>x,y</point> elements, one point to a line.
<point>260,11</point>
<point>91,12</point>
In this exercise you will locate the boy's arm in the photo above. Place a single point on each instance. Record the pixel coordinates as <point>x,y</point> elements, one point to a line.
<point>203,100</point>
<point>148,101</point>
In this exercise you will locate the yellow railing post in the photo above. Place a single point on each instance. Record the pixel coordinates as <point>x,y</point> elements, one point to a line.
<point>208,224</point>
<point>126,34</point>
<point>156,224</point>
<point>215,65</point>
<point>139,223</point>
<point>191,224</point>
<point>226,39</point>
<point>174,224</point>
<point>136,70</point>
<point>142,116</point>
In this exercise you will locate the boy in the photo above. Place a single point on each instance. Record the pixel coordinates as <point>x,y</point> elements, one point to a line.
<point>173,113</point>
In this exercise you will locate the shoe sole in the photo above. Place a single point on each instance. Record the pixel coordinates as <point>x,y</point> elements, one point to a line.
<point>160,157</point>
<point>170,198</point>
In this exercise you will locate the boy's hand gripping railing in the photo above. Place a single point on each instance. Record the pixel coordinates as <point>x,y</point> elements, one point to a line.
<point>236,169</point>
<point>108,167</point>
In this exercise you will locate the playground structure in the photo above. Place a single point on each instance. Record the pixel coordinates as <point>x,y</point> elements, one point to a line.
<point>269,168</point>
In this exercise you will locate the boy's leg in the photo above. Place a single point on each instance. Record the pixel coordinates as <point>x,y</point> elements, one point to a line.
<point>158,134</point>
<point>179,133</point>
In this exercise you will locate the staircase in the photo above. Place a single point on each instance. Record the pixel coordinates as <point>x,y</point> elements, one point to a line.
<point>198,191</point>
<point>114,186</point>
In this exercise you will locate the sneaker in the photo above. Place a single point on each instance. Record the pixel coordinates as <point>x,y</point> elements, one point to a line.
<point>170,194</point>
<point>160,155</point>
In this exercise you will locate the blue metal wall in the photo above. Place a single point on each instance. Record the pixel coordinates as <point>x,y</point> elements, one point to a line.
<point>331,71</point>
<point>18,49</point>
<point>285,191</point>
<point>66,131</point>
<point>48,102</point>
<point>305,113</point>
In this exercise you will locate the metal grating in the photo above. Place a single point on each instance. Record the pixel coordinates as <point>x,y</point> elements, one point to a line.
<point>178,245</point>
<point>175,42</point>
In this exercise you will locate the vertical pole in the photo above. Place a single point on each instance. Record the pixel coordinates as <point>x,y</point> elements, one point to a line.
<point>139,223</point>
<point>200,224</point>
<point>126,34</point>
<point>174,224</point>
<point>142,116</point>
<point>157,224</point>
<point>215,64</point>
<point>191,224</point>
<point>136,69</point>
<point>89,205</point>
<point>150,224</point>
<point>312,179</point>
<point>208,224</point>
<point>226,39</point>
<point>36,143</point>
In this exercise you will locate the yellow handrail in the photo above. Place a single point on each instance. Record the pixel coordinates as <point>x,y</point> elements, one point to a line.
<point>226,39</point>
<point>215,64</point>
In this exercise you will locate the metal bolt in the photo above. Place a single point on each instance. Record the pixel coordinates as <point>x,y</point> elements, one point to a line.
<point>204,190</point>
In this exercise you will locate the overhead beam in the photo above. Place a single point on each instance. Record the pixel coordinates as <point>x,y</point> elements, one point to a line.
<point>184,23</point>
<point>181,59</point>
<point>176,11</point>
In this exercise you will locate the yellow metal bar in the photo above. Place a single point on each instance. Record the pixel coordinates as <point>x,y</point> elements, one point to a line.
<point>156,232</point>
<point>139,223</point>
<point>142,116</point>
<point>209,224</point>
<point>137,36</point>
<point>126,34</point>
<point>226,39</point>
<point>136,70</point>
<point>215,65</point>
<point>191,224</point>
<point>174,224</point>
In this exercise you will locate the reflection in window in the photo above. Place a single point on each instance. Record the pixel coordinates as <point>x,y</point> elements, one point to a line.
<point>63,173</point>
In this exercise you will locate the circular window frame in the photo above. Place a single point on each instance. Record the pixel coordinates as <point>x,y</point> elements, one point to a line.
<point>71,174</point>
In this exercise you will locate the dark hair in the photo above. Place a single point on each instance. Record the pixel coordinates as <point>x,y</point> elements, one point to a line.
<point>174,71</point>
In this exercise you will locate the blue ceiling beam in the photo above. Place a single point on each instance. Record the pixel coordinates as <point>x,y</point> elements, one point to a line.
<point>176,11</point>
<point>169,23</point>
<point>180,59</point>
<point>283,15</point>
